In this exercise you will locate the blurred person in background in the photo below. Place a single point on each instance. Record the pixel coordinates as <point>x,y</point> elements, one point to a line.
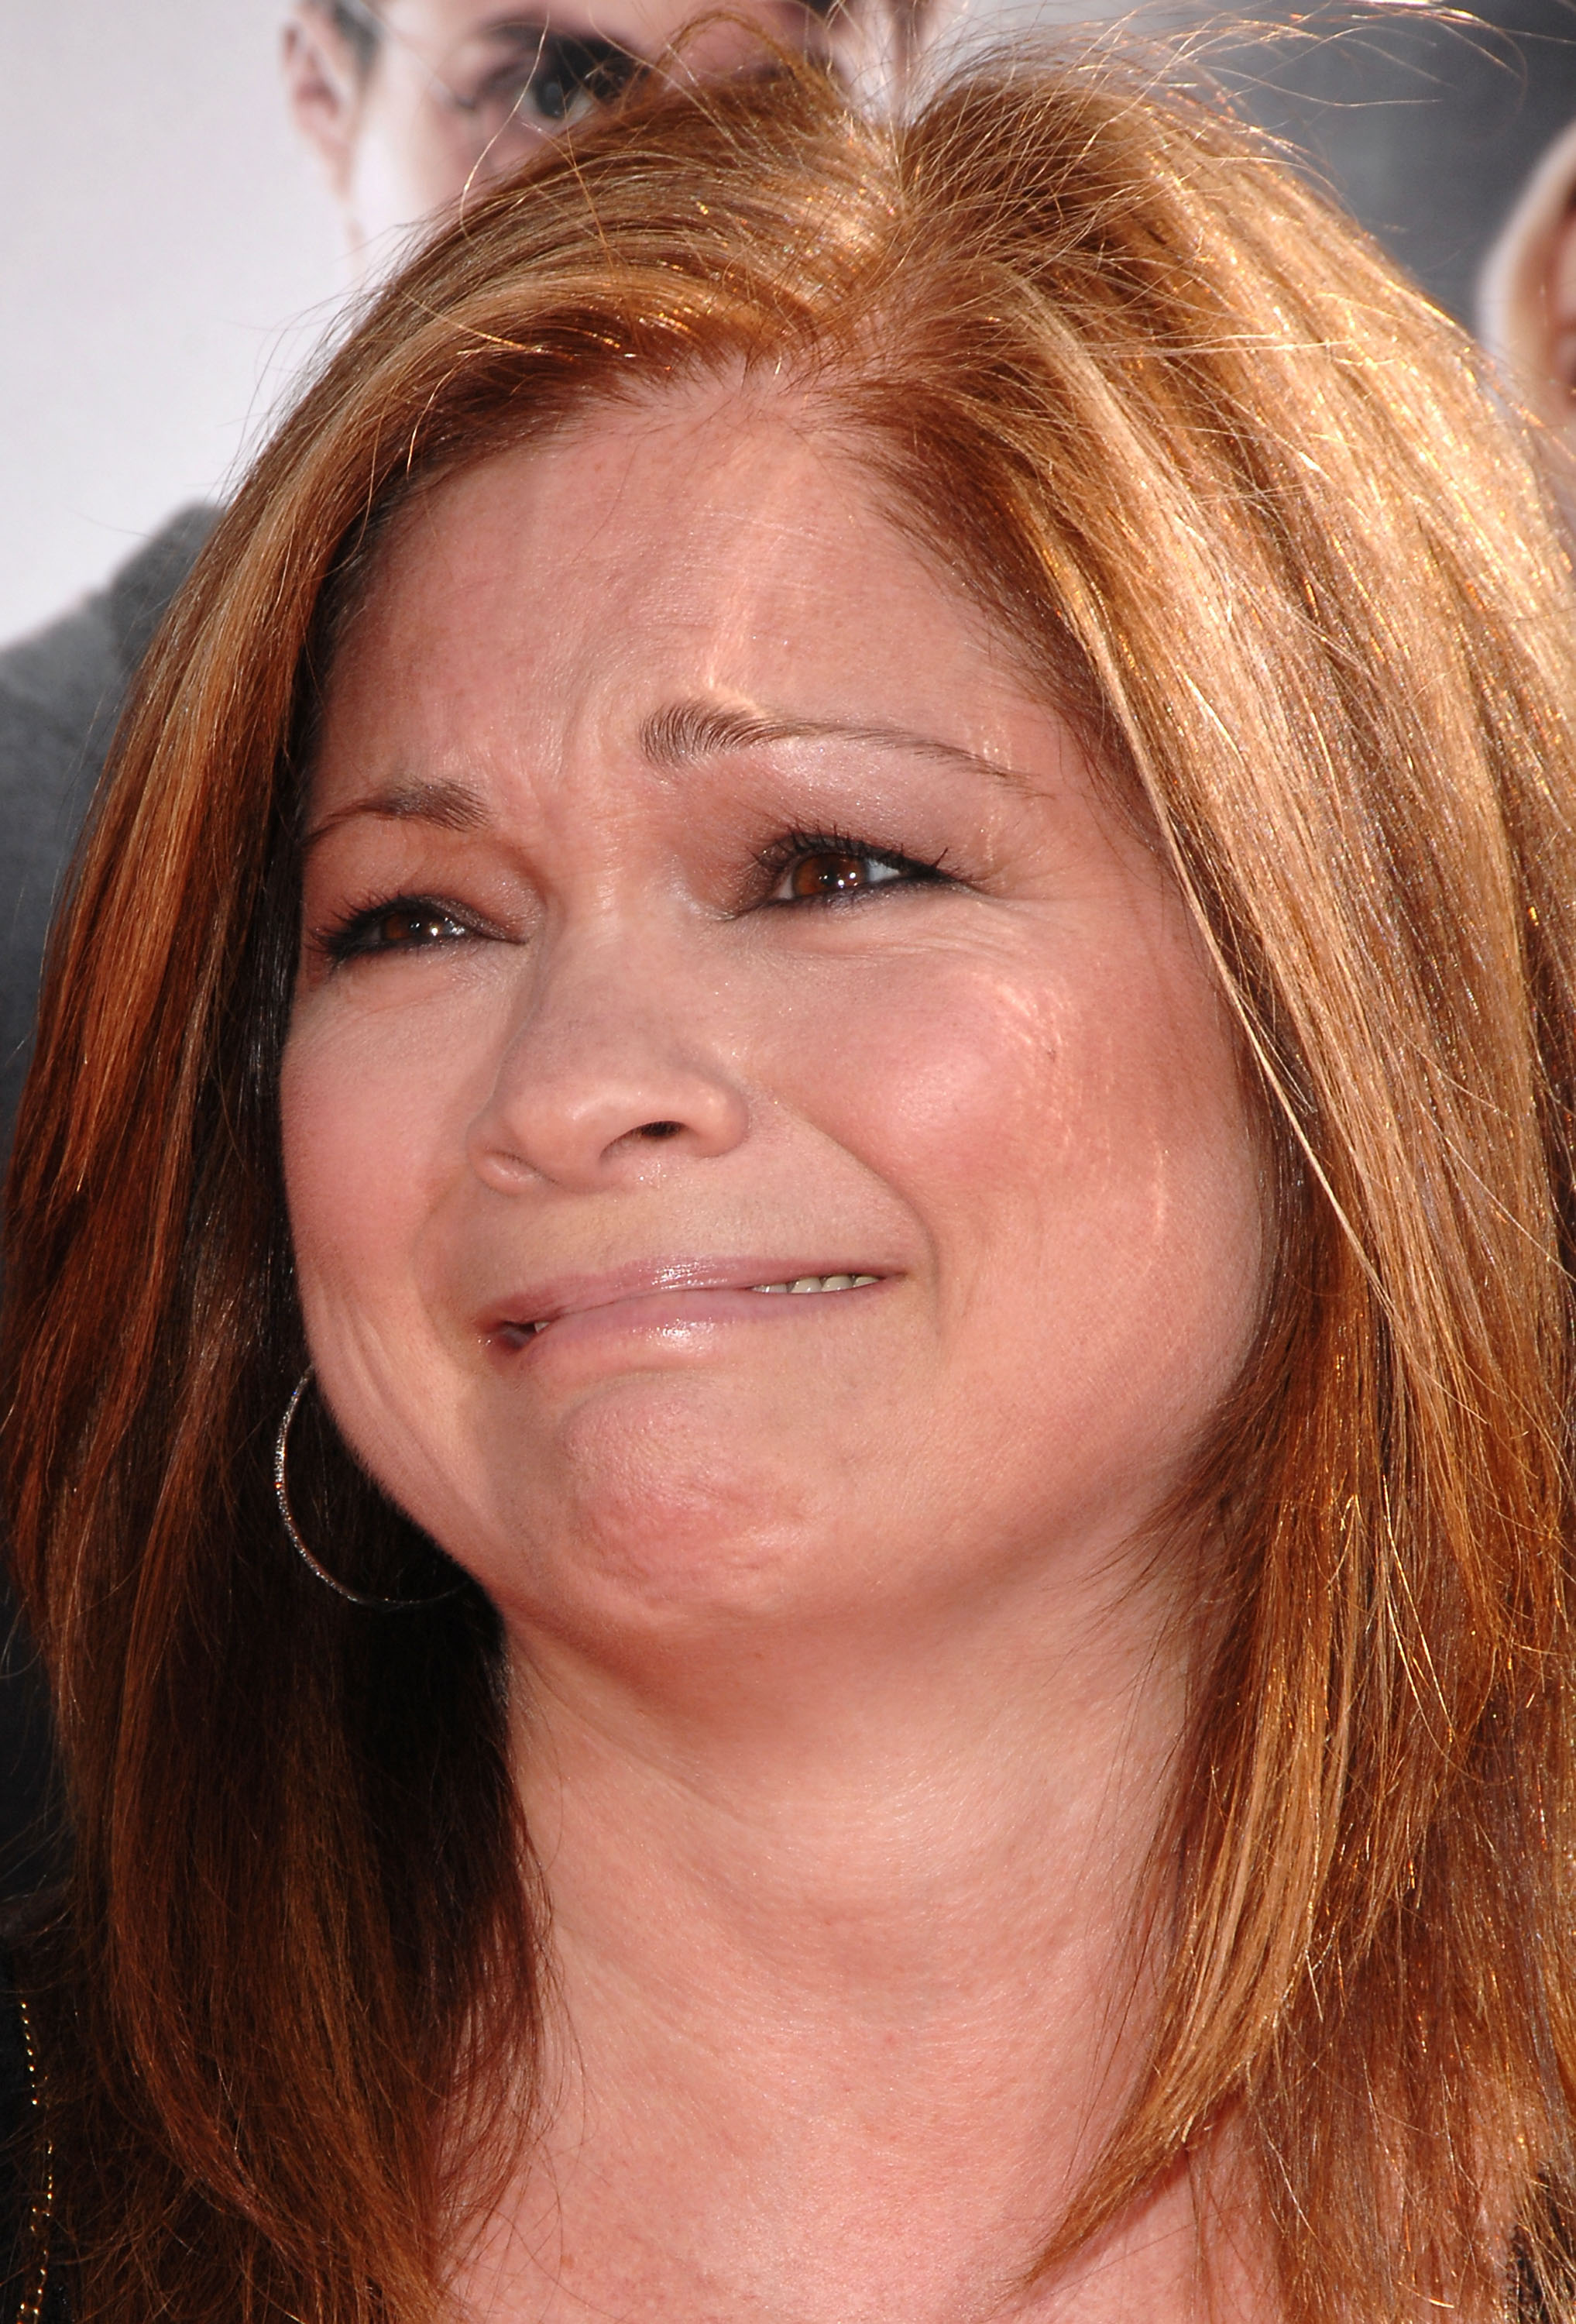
<point>1452,138</point>
<point>410,106</point>
<point>1528,298</point>
<point>1423,120</point>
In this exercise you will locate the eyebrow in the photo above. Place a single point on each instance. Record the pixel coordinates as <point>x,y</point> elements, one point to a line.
<point>452,807</point>
<point>520,35</point>
<point>673,739</point>
<point>688,732</point>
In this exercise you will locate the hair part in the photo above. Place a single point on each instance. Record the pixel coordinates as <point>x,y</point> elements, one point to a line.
<point>1235,495</point>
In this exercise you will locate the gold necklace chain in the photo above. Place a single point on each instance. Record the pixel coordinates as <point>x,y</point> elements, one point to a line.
<point>33,2307</point>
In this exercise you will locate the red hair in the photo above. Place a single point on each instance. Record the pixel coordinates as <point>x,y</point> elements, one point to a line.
<point>1235,495</point>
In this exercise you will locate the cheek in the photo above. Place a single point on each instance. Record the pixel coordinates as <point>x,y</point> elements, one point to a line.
<point>368,1149</point>
<point>410,165</point>
<point>1072,1136</point>
<point>365,1125</point>
<point>914,1065</point>
<point>1105,1080</point>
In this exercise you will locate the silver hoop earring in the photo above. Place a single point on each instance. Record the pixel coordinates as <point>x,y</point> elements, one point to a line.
<point>281,1494</point>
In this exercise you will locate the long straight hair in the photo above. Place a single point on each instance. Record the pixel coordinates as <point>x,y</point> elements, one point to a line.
<point>1239,501</point>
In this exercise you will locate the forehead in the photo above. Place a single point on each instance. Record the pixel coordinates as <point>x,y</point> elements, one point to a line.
<point>443,27</point>
<point>540,608</point>
<point>445,24</point>
<point>730,528</point>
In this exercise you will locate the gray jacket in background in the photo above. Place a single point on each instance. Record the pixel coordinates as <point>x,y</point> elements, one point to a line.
<point>60,695</point>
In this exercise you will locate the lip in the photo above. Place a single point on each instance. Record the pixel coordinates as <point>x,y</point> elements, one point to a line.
<point>641,1287</point>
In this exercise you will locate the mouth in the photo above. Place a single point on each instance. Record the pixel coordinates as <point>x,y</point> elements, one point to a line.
<point>668,1294</point>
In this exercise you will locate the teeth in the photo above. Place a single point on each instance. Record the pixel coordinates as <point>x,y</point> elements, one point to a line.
<point>804,1283</point>
<point>819,1283</point>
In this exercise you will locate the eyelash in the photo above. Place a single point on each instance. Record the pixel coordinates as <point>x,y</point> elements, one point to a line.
<point>343,939</point>
<point>346,938</point>
<point>796,847</point>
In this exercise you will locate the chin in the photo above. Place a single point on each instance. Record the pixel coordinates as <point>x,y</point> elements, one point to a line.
<point>670,1512</point>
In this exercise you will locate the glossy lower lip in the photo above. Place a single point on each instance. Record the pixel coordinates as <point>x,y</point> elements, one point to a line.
<point>669,1296</point>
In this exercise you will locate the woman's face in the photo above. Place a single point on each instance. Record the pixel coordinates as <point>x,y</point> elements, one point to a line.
<point>697,903</point>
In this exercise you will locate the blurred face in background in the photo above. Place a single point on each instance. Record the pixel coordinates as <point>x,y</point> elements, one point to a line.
<point>409,103</point>
<point>1528,296</point>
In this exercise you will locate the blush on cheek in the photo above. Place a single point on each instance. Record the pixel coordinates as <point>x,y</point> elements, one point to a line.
<point>358,1154</point>
<point>949,1067</point>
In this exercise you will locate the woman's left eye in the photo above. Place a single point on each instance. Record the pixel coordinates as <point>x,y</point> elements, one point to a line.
<point>410,924</point>
<point>810,869</point>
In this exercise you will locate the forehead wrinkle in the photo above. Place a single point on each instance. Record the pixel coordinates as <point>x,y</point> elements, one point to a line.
<point>451,806</point>
<point>684,732</point>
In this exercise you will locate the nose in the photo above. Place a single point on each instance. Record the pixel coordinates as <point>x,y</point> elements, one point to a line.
<point>607,1067</point>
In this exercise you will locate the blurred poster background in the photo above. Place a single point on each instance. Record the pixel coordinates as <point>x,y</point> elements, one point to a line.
<point>168,261</point>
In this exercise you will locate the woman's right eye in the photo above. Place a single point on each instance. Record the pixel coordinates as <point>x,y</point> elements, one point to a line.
<point>410,924</point>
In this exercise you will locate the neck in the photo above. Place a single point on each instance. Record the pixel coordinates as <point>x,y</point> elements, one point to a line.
<point>851,1972</point>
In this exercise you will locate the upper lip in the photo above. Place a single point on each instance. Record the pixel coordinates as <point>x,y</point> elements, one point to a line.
<point>569,1295</point>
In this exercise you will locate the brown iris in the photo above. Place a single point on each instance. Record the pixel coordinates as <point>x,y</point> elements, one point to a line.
<point>829,873</point>
<point>409,924</point>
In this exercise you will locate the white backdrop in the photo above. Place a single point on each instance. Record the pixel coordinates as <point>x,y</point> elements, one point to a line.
<point>167,261</point>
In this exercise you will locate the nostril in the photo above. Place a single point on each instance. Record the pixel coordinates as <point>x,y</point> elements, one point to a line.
<point>659,1129</point>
